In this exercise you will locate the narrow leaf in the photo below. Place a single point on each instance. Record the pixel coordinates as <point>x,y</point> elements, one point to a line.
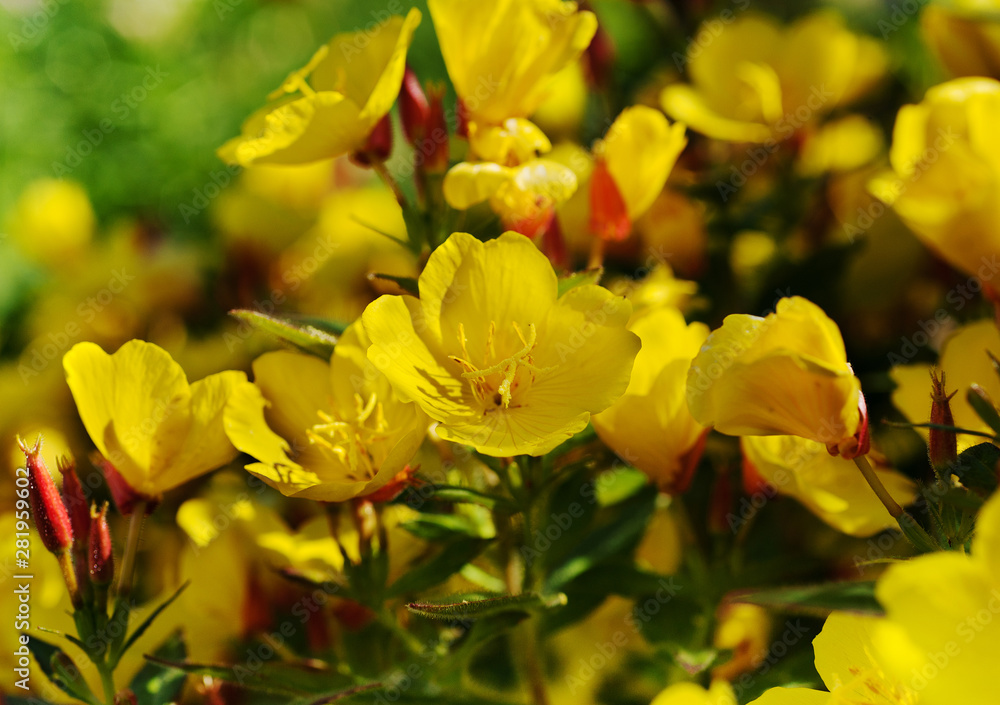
<point>144,625</point>
<point>476,605</point>
<point>60,669</point>
<point>816,600</point>
<point>156,684</point>
<point>305,336</point>
<point>587,276</point>
<point>977,467</point>
<point>984,407</point>
<point>407,284</point>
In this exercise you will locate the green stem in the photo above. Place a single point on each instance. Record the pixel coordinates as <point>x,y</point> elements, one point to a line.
<point>909,526</point>
<point>107,681</point>
<point>131,549</point>
<point>379,168</point>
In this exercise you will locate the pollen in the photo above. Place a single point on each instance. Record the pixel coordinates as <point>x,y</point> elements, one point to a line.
<point>351,440</point>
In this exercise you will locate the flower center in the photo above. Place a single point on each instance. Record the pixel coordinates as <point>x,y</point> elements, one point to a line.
<point>351,442</point>
<point>495,384</point>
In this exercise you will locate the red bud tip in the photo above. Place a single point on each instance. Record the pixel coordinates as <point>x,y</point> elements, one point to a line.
<point>378,146</point>
<point>414,110</point>
<point>942,447</point>
<point>122,493</point>
<point>600,58</point>
<point>434,147</point>
<point>102,559</point>
<point>73,497</point>
<point>47,508</point>
<point>608,214</point>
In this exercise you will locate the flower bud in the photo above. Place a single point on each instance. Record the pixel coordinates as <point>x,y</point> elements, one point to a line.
<point>414,110</point>
<point>102,559</point>
<point>608,213</point>
<point>47,508</point>
<point>435,143</point>
<point>73,498</point>
<point>378,146</point>
<point>942,447</point>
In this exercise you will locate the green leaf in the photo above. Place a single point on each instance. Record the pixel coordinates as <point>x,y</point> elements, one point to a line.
<point>626,525</point>
<point>816,600</point>
<point>407,284</point>
<point>984,407</point>
<point>587,276</point>
<point>453,556</point>
<point>156,684</point>
<point>308,337</point>
<point>977,467</point>
<point>443,527</point>
<point>60,669</point>
<point>467,495</point>
<point>275,678</point>
<point>144,625</point>
<point>347,693</point>
<point>476,605</point>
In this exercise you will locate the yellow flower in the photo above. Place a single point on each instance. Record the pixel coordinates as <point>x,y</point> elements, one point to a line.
<point>52,221</point>
<point>157,430</point>
<point>744,630</point>
<point>965,35</point>
<point>330,106</point>
<point>840,145</point>
<point>786,374</point>
<point>491,353</point>
<point>650,426</point>
<point>755,81</point>
<point>718,693</point>
<point>638,152</point>
<point>525,196</point>
<point>830,487</point>
<point>848,662</point>
<point>658,289</point>
<point>942,610</point>
<point>501,57</point>
<point>945,183</point>
<point>329,442</point>
<point>964,362</point>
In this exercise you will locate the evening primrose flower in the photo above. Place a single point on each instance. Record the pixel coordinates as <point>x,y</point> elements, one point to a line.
<point>754,80</point>
<point>331,105</point>
<point>963,362</point>
<point>945,179</point>
<point>964,35</point>
<point>943,635</point>
<point>328,441</point>
<point>501,57</point>
<point>851,668</point>
<point>828,486</point>
<point>52,221</point>
<point>525,197</point>
<point>494,355</point>
<point>786,374</point>
<point>650,425</point>
<point>718,693</point>
<point>154,428</point>
<point>632,164</point>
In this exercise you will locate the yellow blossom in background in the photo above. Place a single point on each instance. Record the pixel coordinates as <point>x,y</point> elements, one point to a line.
<point>718,693</point>
<point>943,635</point>
<point>674,227</point>
<point>330,106</point>
<point>157,430</point>
<point>758,81</point>
<point>658,289</point>
<point>492,353</point>
<point>501,57</point>
<point>650,426</point>
<point>745,630</point>
<point>964,35</point>
<point>786,374</point>
<point>562,112</point>
<point>945,179</point>
<point>52,221</point>
<point>328,432</point>
<point>525,196</point>
<point>840,145</point>
<point>851,668</point>
<point>964,361</point>
<point>830,487</point>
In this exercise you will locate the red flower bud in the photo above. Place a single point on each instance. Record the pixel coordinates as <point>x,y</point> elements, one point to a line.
<point>414,110</point>
<point>378,147</point>
<point>47,508</point>
<point>600,58</point>
<point>608,214</point>
<point>434,147</point>
<point>942,448</point>
<point>102,559</point>
<point>122,493</point>
<point>73,498</point>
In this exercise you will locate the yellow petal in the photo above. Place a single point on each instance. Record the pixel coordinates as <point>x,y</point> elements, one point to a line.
<point>794,696</point>
<point>513,141</point>
<point>830,487</point>
<point>501,55</point>
<point>296,386</point>
<point>986,543</point>
<point>841,145</point>
<point>135,406</point>
<point>205,446</point>
<point>719,693</point>
<point>640,149</point>
<point>535,187</point>
<point>469,183</point>
<point>686,105</point>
